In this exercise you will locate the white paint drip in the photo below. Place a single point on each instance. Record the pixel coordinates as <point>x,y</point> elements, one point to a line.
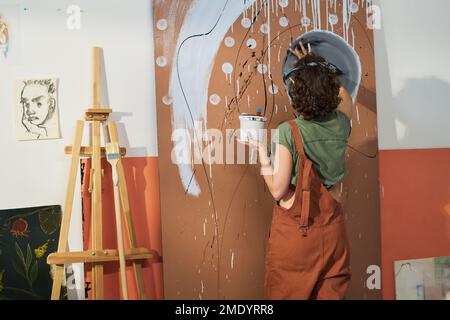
<point>251,43</point>
<point>284,22</point>
<point>229,42</point>
<point>161,61</point>
<point>246,23</point>
<point>227,68</point>
<point>319,14</point>
<point>167,100</point>
<point>162,24</point>
<point>253,16</point>
<point>232,260</point>
<point>357,115</point>
<point>353,39</point>
<point>262,68</point>
<point>215,99</point>
<point>264,28</point>
<point>347,15</point>
<point>273,89</point>
<point>314,14</point>
<point>283,3</point>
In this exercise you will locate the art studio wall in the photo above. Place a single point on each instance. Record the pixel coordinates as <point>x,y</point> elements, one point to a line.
<point>413,93</point>
<point>218,252</point>
<point>213,61</point>
<point>45,42</point>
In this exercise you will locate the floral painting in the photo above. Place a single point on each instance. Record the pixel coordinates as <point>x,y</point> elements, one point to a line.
<point>27,236</point>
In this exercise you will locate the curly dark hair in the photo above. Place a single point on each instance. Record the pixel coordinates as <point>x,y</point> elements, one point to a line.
<point>314,90</point>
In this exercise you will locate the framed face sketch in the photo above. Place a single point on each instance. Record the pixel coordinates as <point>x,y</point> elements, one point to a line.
<point>36,108</point>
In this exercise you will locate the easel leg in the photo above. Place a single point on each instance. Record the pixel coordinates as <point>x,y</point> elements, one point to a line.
<point>97,230</point>
<point>120,244</point>
<point>137,267</point>
<point>67,213</point>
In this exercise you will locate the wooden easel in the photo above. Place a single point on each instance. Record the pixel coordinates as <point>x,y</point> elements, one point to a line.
<point>97,255</point>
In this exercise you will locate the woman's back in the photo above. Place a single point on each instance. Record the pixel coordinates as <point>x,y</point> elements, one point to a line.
<point>324,143</point>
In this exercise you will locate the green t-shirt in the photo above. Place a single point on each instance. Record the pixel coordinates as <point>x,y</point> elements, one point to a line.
<point>324,143</point>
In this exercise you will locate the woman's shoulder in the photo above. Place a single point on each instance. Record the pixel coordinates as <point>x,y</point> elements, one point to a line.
<point>284,126</point>
<point>345,123</point>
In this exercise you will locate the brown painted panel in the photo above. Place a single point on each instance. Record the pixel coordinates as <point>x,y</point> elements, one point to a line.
<point>214,244</point>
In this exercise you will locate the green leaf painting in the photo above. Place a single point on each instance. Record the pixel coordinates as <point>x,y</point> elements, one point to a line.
<point>50,220</point>
<point>18,269</point>
<point>34,272</point>
<point>28,261</point>
<point>27,236</point>
<point>19,253</point>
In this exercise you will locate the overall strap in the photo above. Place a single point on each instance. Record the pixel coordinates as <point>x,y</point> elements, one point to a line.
<point>303,186</point>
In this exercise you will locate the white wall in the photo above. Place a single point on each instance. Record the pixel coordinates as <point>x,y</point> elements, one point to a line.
<point>35,173</point>
<point>413,74</point>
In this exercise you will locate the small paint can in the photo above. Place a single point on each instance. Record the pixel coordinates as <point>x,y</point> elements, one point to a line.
<point>252,126</point>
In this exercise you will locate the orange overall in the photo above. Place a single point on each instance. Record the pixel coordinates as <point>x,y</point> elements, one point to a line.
<point>307,252</point>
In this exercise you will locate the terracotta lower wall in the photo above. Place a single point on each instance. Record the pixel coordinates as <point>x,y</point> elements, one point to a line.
<point>415,208</point>
<point>143,188</point>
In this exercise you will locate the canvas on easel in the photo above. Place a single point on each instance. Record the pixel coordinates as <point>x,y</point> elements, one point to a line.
<point>97,255</point>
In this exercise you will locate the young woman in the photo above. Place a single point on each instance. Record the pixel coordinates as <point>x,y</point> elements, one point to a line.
<point>307,252</point>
